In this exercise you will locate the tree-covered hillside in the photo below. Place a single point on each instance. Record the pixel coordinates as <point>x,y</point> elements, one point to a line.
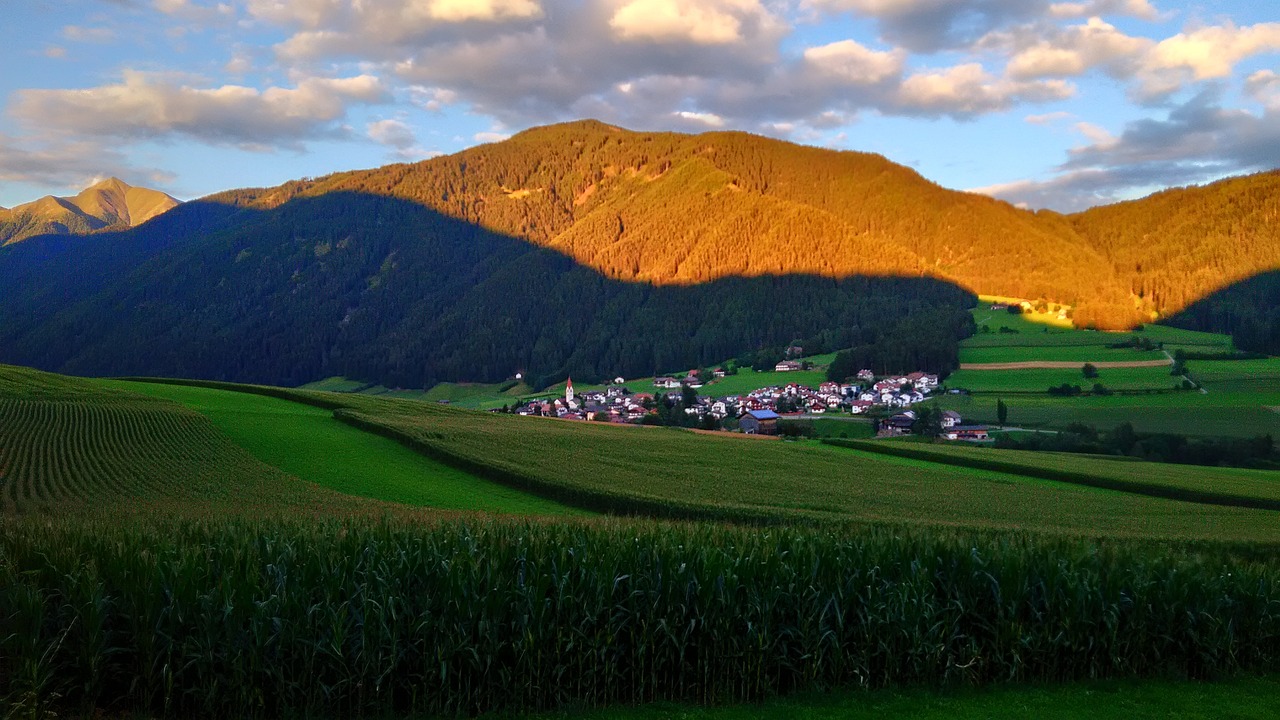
<point>590,249</point>
<point>385,290</point>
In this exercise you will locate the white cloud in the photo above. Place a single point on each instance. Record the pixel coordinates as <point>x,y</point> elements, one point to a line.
<point>1203,54</point>
<point>1047,118</point>
<point>1099,136</point>
<point>68,164</point>
<point>710,22</point>
<point>701,118</point>
<point>968,89</point>
<point>1198,141</point>
<point>482,10</point>
<point>155,106</point>
<point>1075,50</point>
<point>855,63</point>
<point>1264,86</point>
<point>1141,9</point>
<point>490,137</point>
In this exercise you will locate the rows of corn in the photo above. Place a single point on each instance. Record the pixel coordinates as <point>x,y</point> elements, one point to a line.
<point>372,617</point>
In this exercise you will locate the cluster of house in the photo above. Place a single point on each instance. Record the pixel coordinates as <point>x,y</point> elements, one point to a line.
<point>618,404</point>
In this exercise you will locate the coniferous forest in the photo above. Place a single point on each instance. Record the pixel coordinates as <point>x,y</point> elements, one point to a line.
<point>587,249</point>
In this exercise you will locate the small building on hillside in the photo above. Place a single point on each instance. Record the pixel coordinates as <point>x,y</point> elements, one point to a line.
<point>972,433</point>
<point>787,366</point>
<point>759,422</point>
<point>950,419</point>
<point>669,383</point>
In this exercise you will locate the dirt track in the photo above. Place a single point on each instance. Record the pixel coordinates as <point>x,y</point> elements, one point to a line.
<point>1062,365</point>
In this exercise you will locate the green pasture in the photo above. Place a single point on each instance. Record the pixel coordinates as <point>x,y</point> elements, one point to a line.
<point>1224,414</point>
<point>308,443</point>
<point>668,471</point>
<point>1237,376</point>
<point>1059,353</point>
<point>1116,472</point>
<point>1039,381</point>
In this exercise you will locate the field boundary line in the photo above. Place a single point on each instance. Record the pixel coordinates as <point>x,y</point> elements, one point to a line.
<point>1135,487</point>
<point>1065,364</point>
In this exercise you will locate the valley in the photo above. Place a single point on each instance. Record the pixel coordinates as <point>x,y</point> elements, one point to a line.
<point>319,431</point>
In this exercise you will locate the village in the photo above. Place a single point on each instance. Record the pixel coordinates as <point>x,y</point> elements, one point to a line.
<point>759,411</point>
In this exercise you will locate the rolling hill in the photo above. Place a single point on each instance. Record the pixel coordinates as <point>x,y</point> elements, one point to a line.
<point>588,249</point>
<point>109,204</point>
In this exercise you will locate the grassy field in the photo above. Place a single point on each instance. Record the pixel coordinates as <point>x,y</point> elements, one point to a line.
<point>1237,376</point>
<point>1257,487</point>
<point>1237,414</point>
<point>875,571</point>
<point>68,443</point>
<point>678,473</point>
<point>308,443</point>
<point>1081,354</point>
<point>1147,378</point>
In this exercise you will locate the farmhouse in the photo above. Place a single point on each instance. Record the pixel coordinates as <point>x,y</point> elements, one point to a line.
<point>972,433</point>
<point>950,419</point>
<point>669,383</point>
<point>759,422</point>
<point>787,366</point>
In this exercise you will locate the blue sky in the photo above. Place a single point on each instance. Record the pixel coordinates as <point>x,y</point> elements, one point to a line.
<point>1049,104</point>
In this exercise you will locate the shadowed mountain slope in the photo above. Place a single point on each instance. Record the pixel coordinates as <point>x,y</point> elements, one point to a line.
<point>385,290</point>
<point>590,249</point>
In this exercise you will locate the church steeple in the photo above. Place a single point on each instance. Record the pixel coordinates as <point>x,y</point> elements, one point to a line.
<point>568,391</point>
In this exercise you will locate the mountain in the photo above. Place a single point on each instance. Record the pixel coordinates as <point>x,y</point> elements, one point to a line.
<point>587,249</point>
<point>110,204</point>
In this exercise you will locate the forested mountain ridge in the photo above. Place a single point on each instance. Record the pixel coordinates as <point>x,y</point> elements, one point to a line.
<point>109,204</point>
<point>668,208</point>
<point>385,290</point>
<point>587,249</point>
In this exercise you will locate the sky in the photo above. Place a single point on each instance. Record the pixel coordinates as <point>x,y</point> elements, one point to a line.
<point>1047,104</point>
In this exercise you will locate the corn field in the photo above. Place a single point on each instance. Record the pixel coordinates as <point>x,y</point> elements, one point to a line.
<point>367,617</point>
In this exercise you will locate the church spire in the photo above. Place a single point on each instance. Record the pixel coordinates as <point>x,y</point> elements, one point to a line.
<point>568,390</point>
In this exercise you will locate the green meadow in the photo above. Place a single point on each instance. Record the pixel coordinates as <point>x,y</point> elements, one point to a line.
<point>308,443</point>
<point>1039,381</point>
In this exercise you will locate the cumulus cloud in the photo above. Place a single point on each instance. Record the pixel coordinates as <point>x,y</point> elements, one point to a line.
<point>1141,9</point>
<point>70,164</point>
<point>855,63</point>
<point>1198,141</point>
<point>928,26</point>
<point>1075,50</point>
<point>1203,54</point>
<point>1264,86</point>
<point>966,90</point>
<point>399,137</point>
<point>711,22</point>
<point>157,106</point>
